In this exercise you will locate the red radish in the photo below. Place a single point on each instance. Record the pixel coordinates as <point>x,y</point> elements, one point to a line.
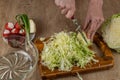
<point>9,26</point>
<point>22,32</point>
<point>17,26</point>
<point>15,31</point>
<point>6,33</point>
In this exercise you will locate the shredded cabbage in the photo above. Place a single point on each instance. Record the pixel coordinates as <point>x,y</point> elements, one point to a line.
<point>65,50</point>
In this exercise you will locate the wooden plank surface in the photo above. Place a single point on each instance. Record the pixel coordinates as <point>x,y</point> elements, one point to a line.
<point>49,20</point>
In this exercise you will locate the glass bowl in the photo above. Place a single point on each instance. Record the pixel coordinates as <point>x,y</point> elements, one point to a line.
<point>17,63</point>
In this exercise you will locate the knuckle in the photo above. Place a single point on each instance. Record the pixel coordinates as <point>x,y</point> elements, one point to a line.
<point>102,19</point>
<point>57,2</point>
<point>68,6</point>
<point>94,20</point>
<point>62,4</point>
<point>67,16</point>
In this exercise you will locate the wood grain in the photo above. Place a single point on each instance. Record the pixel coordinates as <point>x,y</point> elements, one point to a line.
<point>49,20</point>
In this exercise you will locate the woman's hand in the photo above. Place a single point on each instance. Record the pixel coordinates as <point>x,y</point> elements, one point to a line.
<point>94,18</point>
<point>67,7</point>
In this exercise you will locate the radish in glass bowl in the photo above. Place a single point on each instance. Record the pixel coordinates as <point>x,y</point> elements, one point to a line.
<point>12,31</point>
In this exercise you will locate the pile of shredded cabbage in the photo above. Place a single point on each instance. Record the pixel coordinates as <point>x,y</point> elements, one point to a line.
<point>65,50</point>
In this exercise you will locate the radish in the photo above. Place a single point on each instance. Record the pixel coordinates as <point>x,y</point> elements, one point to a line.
<point>9,26</point>
<point>28,28</point>
<point>15,31</point>
<point>22,32</point>
<point>6,33</point>
<point>17,26</point>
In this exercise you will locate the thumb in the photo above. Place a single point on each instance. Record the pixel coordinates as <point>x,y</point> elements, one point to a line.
<point>69,14</point>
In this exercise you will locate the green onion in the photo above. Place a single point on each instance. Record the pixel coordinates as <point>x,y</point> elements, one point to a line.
<point>24,20</point>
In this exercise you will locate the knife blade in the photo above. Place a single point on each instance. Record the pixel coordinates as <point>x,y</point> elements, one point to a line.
<point>76,23</point>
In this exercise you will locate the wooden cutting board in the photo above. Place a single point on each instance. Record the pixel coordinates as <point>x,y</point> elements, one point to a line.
<point>106,61</point>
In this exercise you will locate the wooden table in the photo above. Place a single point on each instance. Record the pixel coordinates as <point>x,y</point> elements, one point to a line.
<point>49,20</point>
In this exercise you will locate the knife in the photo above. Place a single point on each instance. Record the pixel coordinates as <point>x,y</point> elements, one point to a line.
<point>76,23</point>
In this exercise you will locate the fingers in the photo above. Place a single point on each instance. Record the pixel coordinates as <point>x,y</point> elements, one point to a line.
<point>62,5</point>
<point>93,27</point>
<point>70,14</point>
<point>87,21</point>
<point>64,11</point>
<point>57,2</point>
<point>67,7</point>
<point>97,26</point>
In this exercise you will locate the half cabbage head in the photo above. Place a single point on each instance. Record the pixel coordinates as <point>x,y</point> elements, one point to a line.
<point>111,32</point>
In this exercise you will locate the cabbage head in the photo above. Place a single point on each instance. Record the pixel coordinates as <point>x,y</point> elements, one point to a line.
<point>111,32</point>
